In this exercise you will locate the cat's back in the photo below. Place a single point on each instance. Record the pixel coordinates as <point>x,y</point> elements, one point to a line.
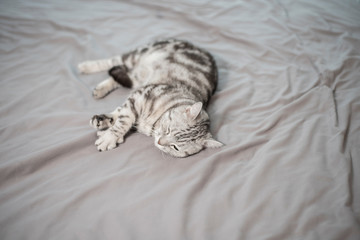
<point>174,61</point>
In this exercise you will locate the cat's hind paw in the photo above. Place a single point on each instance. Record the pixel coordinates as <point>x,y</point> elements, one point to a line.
<point>108,141</point>
<point>101,121</point>
<point>99,92</point>
<point>86,67</point>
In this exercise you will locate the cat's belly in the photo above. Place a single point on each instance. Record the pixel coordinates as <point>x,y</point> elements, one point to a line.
<point>151,69</point>
<point>145,75</point>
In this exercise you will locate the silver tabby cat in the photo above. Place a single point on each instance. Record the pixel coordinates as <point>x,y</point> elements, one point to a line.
<point>173,81</point>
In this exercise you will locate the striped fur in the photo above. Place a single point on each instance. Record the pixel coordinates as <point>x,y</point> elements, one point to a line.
<point>173,81</point>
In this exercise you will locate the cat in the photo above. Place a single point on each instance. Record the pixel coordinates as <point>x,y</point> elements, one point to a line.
<point>173,81</point>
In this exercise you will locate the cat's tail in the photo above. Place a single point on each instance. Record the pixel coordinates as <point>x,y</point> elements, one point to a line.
<point>120,75</point>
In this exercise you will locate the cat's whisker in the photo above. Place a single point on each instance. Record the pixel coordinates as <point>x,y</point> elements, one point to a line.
<point>164,156</point>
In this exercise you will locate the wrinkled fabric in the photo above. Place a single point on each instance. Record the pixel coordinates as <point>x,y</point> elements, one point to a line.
<point>287,109</point>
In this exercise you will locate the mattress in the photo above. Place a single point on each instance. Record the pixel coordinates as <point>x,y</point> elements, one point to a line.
<point>287,108</point>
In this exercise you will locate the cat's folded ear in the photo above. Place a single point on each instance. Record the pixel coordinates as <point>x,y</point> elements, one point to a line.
<point>212,143</point>
<point>194,110</point>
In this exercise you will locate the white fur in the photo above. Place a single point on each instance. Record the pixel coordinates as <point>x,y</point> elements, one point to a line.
<point>108,141</point>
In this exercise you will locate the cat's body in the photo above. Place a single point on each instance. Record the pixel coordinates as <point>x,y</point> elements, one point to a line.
<point>173,82</point>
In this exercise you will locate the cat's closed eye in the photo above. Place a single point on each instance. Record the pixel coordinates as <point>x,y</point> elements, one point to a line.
<point>174,147</point>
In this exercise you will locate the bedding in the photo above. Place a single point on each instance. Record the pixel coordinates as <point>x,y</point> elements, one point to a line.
<point>287,108</point>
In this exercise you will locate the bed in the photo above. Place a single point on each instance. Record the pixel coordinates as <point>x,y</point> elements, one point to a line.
<point>287,108</point>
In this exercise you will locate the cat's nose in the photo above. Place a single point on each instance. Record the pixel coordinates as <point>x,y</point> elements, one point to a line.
<point>161,142</point>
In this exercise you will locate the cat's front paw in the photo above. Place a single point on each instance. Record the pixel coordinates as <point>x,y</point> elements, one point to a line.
<point>101,121</point>
<point>107,141</point>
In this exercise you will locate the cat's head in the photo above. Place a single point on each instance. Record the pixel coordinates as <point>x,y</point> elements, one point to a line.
<point>184,131</point>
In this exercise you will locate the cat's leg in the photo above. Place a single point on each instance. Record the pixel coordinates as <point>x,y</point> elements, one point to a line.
<point>105,87</point>
<point>126,116</point>
<point>118,77</point>
<point>88,67</point>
